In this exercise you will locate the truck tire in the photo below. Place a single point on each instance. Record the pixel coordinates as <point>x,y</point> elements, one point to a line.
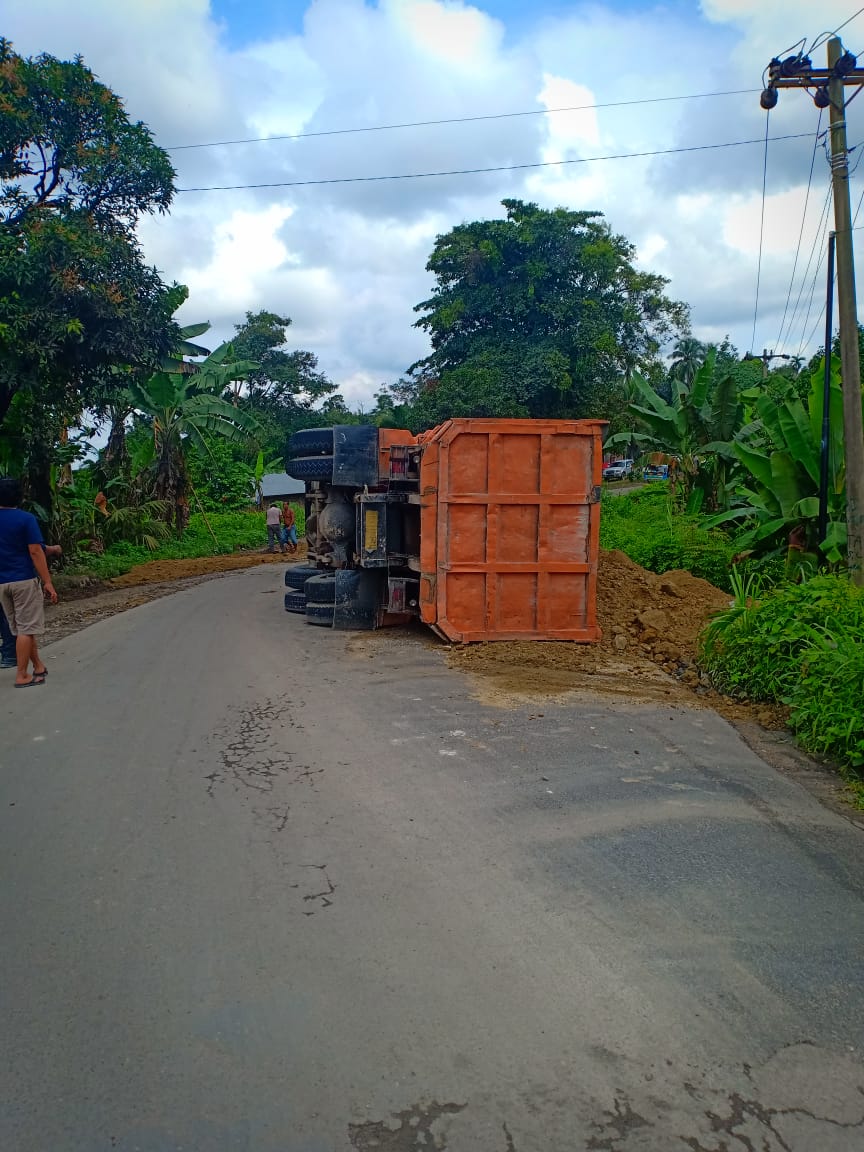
<point>297,574</point>
<point>295,601</point>
<point>320,614</point>
<point>320,589</point>
<point>310,467</point>
<point>311,442</point>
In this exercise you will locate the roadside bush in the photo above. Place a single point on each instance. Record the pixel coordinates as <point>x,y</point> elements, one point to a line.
<point>801,645</point>
<point>642,525</point>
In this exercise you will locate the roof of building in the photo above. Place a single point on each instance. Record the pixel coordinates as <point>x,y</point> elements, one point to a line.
<point>281,484</point>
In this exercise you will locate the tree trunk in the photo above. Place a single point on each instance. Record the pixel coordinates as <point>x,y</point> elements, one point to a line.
<point>116,453</point>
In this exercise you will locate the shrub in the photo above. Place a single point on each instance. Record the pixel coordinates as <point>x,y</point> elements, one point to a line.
<point>801,645</point>
<point>642,525</point>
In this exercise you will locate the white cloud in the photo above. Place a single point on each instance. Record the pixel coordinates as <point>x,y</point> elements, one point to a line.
<point>347,261</point>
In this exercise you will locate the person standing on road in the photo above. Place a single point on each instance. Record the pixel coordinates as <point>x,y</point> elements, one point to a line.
<point>274,525</point>
<point>289,527</point>
<point>22,566</point>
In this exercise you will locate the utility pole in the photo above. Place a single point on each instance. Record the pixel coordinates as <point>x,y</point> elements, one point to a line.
<point>766,359</point>
<point>830,83</point>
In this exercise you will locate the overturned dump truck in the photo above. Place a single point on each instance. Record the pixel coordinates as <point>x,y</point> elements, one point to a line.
<point>484,529</point>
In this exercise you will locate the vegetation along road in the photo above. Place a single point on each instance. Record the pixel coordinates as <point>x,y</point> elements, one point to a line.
<point>296,890</point>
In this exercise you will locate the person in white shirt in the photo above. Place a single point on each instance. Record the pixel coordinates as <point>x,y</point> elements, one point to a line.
<point>274,526</point>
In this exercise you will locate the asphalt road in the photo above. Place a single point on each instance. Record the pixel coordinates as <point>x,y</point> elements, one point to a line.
<point>268,888</point>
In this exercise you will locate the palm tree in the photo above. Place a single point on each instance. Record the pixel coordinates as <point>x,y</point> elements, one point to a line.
<point>688,355</point>
<point>183,408</point>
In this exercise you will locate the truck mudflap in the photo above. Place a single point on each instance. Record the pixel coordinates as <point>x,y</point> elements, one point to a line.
<point>358,599</point>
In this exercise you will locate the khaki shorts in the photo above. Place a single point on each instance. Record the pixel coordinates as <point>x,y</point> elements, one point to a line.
<point>24,605</point>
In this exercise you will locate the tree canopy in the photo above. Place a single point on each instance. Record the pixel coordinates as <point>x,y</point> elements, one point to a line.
<point>76,297</point>
<point>539,314</point>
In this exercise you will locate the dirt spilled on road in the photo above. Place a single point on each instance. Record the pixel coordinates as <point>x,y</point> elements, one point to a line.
<point>651,626</point>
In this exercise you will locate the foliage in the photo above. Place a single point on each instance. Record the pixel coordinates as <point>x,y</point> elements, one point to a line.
<point>779,451</point>
<point>688,355</point>
<point>285,387</point>
<point>695,429</point>
<point>87,519</point>
<point>802,645</point>
<point>538,313</point>
<point>234,531</point>
<point>75,175</point>
<point>221,478</point>
<point>182,409</point>
<point>642,524</point>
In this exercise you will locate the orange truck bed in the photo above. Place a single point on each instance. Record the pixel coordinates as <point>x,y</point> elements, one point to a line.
<point>509,529</point>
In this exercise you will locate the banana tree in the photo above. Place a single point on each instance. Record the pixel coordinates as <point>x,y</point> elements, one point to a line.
<point>780,454</point>
<point>696,429</point>
<point>181,408</point>
<point>115,458</point>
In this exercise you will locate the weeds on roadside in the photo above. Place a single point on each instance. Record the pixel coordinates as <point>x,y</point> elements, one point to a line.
<point>800,645</point>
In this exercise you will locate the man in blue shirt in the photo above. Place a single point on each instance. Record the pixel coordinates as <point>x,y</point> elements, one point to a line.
<point>22,566</point>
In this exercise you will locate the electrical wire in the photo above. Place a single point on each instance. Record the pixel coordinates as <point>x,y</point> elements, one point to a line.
<point>818,323</point>
<point>822,255</point>
<point>820,226</point>
<point>463,119</point>
<point>823,36</point>
<point>801,231</point>
<point>761,230</point>
<point>495,168</point>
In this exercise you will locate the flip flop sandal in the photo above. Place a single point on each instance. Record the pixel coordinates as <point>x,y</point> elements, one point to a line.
<point>32,683</point>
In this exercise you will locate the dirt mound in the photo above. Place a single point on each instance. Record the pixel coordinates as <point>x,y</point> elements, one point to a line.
<point>157,571</point>
<point>661,616</point>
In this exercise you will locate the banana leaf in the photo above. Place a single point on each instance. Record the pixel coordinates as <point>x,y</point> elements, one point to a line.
<point>785,484</point>
<point>756,463</point>
<point>797,436</point>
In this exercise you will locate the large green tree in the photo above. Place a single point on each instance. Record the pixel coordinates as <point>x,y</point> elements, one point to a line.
<point>284,392</point>
<point>538,314</point>
<point>76,297</point>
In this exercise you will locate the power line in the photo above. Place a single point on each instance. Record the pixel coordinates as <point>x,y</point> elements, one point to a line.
<point>801,346</point>
<point>497,168</point>
<point>761,232</point>
<point>820,40</point>
<point>463,119</point>
<point>801,232</point>
<point>820,225</point>
<point>824,305</point>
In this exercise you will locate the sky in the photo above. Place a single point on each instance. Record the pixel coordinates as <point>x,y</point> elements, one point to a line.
<point>346,261</point>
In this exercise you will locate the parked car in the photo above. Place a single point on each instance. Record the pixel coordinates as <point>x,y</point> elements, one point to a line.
<point>619,470</point>
<point>657,472</point>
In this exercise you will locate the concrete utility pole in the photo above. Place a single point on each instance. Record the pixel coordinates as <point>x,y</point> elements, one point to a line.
<point>830,83</point>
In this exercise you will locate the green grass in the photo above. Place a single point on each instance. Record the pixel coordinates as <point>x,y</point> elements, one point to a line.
<point>234,532</point>
<point>641,524</point>
<point>800,645</point>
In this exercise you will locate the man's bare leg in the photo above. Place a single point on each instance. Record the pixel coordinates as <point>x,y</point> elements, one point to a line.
<point>39,668</point>
<point>25,653</point>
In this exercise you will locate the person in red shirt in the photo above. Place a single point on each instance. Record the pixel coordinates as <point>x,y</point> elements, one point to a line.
<point>289,527</point>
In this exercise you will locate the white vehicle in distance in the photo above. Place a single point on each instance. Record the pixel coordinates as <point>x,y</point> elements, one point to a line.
<point>618,470</point>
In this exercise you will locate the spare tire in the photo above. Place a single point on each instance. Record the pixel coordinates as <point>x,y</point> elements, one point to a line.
<point>321,614</point>
<point>311,442</point>
<point>295,601</point>
<point>297,574</point>
<point>321,589</point>
<point>310,468</point>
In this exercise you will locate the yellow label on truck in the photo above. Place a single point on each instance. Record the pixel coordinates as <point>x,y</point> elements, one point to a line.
<point>370,542</point>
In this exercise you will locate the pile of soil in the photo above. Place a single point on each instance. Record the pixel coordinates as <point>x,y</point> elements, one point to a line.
<point>158,571</point>
<point>651,626</point>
